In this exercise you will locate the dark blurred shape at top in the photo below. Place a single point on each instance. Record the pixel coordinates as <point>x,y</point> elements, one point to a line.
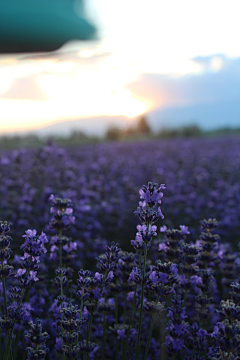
<point>42,25</point>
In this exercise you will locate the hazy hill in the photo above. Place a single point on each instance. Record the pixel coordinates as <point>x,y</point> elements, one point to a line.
<point>94,126</point>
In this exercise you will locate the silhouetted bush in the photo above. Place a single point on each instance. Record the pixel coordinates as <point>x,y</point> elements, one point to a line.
<point>114,133</point>
<point>185,131</point>
<point>78,135</point>
<point>142,126</point>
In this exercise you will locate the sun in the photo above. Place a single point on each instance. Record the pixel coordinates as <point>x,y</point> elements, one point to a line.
<point>122,103</point>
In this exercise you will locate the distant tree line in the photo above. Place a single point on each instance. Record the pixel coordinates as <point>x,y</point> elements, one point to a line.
<point>141,128</point>
<point>184,131</point>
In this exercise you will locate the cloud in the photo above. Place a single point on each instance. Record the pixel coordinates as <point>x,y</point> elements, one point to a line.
<point>84,56</point>
<point>25,88</point>
<point>211,97</point>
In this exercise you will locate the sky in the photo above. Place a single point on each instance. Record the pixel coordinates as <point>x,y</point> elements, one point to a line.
<point>176,61</point>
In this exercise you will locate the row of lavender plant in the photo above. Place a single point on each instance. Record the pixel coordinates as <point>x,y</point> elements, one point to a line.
<point>180,302</point>
<point>102,181</point>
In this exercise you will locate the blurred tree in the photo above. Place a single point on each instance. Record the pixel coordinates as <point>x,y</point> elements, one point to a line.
<point>78,134</point>
<point>114,133</point>
<point>185,131</point>
<point>130,131</point>
<point>191,130</point>
<point>143,126</point>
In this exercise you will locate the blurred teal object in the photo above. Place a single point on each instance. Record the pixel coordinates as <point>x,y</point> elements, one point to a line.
<point>42,25</point>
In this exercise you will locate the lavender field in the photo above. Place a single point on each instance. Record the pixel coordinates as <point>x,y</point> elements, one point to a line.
<point>94,265</point>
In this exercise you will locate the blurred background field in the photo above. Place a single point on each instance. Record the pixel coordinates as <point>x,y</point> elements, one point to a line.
<point>102,180</point>
<point>140,132</point>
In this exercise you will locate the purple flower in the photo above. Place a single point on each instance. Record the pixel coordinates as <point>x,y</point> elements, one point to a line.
<point>153,277</point>
<point>20,272</point>
<point>43,238</point>
<point>151,195</point>
<point>174,270</point>
<point>111,301</point>
<point>196,280</point>
<point>53,248</point>
<point>163,278</point>
<point>142,228</point>
<point>163,247</point>
<point>30,233</point>
<point>59,344</point>
<point>201,333</point>
<point>138,243</point>
<point>163,228</point>
<point>98,276</point>
<point>51,197</point>
<point>159,213</point>
<point>109,277</point>
<point>73,246</point>
<point>96,293</point>
<point>138,240</point>
<point>121,334</point>
<point>180,329</point>
<point>184,230</point>
<point>68,220</point>
<point>130,296</point>
<point>33,276</point>
<point>25,256</point>
<point>182,279</point>
<point>62,213</point>
<point>33,244</point>
<point>177,344</point>
<point>134,272</point>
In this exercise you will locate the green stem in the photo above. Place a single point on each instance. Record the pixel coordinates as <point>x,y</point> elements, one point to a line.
<point>89,330</point>
<point>129,325</point>
<point>125,309</point>
<point>140,261</point>
<point>11,354</point>
<point>132,310</point>
<point>162,336</point>
<point>141,305</point>
<point>91,316</point>
<point>8,347</point>
<point>150,333</point>
<point>185,297</point>
<point>89,327</point>
<point>80,316</point>
<point>60,263</point>
<point>131,314</point>
<point>116,309</point>
<point>116,352</point>
<point>15,350</point>
<point>95,305</point>
<point>5,302</point>
<point>104,336</point>
<point>4,292</point>
<point>116,322</point>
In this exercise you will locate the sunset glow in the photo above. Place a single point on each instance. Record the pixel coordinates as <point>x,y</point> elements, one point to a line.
<point>30,115</point>
<point>129,71</point>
